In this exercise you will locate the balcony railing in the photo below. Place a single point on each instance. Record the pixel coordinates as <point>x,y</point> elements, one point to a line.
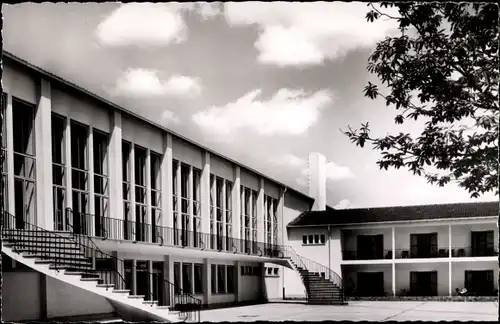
<point>364,255</point>
<point>119,229</point>
<point>421,253</point>
<point>461,252</point>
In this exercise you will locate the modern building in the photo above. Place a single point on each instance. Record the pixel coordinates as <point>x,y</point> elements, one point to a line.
<point>106,213</point>
<point>433,250</point>
<point>90,187</point>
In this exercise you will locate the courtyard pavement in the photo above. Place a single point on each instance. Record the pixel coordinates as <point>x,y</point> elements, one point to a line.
<point>358,311</point>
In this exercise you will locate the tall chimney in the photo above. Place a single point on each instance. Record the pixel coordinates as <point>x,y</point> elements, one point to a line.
<point>317,180</point>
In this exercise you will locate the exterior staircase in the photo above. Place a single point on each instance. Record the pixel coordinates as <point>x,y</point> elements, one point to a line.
<point>323,285</point>
<point>76,260</point>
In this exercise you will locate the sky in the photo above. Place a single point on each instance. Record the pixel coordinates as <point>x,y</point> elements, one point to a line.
<point>262,83</point>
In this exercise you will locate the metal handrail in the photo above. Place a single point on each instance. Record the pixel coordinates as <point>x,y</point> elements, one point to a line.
<point>86,243</point>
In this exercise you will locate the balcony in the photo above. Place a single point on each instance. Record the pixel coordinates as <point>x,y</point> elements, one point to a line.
<point>421,253</point>
<point>118,229</point>
<point>366,255</point>
<point>468,252</point>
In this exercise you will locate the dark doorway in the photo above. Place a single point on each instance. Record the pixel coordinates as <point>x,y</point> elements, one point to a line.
<point>480,283</point>
<point>370,284</point>
<point>143,283</point>
<point>424,245</point>
<point>423,283</point>
<point>158,283</point>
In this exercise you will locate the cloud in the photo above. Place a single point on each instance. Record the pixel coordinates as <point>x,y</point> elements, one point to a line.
<point>169,117</point>
<point>151,24</point>
<point>344,204</point>
<point>142,82</point>
<point>288,112</point>
<point>333,171</point>
<point>299,34</point>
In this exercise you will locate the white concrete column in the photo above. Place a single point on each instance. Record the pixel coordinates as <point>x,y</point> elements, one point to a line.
<point>450,289</point>
<point>236,197</point>
<point>115,175</point>
<point>167,208</point>
<point>281,206</point>
<point>261,213</point>
<point>149,221</point>
<point>205,195</point>
<point>450,243</point>
<point>131,224</point>
<point>9,122</point>
<point>393,235</point>
<point>134,277</point>
<point>168,274</point>
<point>393,278</point>
<point>90,149</point>
<point>271,208</point>
<point>206,282</point>
<point>43,143</point>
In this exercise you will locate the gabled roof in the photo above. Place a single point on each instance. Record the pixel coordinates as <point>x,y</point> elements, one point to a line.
<point>394,214</point>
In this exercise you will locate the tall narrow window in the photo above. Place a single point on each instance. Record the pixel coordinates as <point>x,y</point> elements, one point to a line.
<point>275,222</point>
<point>196,208</point>
<point>198,278</point>
<point>177,277</point>
<point>79,177</point>
<point>101,178</point>
<point>185,197</point>
<point>24,161</point>
<point>247,223</point>
<point>140,194</point>
<point>219,220</point>
<point>155,164</point>
<point>187,282</point>
<point>221,278</point>
<point>229,215</point>
<point>212,212</point>
<point>59,173</point>
<point>255,195</point>
<point>213,278</point>
<point>175,200</point>
<point>127,221</point>
<point>3,153</point>
<point>230,279</point>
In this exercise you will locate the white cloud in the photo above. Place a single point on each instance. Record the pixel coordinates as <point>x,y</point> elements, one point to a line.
<point>151,24</point>
<point>288,112</point>
<point>169,116</point>
<point>294,33</point>
<point>143,82</point>
<point>333,172</point>
<point>344,204</point>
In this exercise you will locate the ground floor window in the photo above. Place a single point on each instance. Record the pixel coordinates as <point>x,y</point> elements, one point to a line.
<point>370,284</point>
<point>423,283</point>
<point>480,283</point>
<point>223,279</point>
<point>187,278</point>
<point>198,278</point>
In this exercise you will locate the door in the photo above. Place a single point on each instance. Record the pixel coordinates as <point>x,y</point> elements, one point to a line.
<point>142,277</point>
<point>158,283</point>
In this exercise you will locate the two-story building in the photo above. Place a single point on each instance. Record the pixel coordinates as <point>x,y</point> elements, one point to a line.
<point>430,250</point>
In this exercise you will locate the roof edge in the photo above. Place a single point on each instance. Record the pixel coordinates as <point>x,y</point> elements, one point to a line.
<point>53,77</point>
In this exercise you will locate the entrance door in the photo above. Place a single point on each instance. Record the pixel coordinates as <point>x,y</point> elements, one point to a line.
<point>423,283</point>
<point>480,283</point>
<point>370,284</point>
<point>142,276</point>
<point>158,283</point>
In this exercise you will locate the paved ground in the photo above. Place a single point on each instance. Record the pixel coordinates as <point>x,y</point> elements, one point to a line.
<point>358,311</point>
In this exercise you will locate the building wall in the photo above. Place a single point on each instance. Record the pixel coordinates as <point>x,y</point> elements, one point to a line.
<point>221,168</point>
<point>350,241</point>
<point>20,84</point>
<point>403,235</point>
<point>142,134</point>
<point>349,274</point>
<point>67,300</point>
<point>458,272</point>
<point>79,110</point>
<point>24,296</point>
<point>187,153</point>
<point>403,275</point>
<point>461,234</point>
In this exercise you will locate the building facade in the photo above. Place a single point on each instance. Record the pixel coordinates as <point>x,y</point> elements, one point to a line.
<point>435,250</point>
<point>75,163</point>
